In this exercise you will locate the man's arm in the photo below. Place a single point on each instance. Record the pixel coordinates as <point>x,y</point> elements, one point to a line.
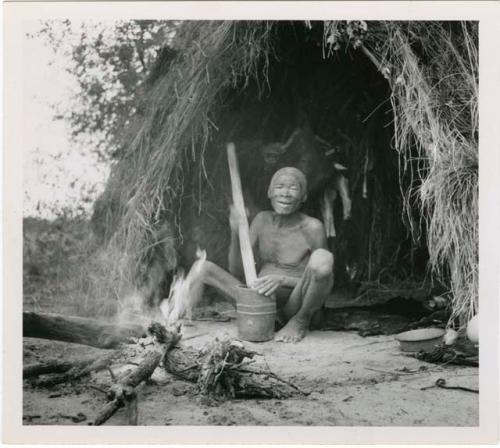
<point>317,235</point>
<point>317,239</point>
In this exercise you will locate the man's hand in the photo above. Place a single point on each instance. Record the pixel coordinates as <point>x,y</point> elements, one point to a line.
<point>268,284</point>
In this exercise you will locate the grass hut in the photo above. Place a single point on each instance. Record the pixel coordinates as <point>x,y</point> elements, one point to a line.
<point>390,106</point>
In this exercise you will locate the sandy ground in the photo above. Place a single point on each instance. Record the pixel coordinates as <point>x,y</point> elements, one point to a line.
<point>353,381</point>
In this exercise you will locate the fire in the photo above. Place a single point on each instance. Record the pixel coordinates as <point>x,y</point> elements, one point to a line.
<point>182,298</point>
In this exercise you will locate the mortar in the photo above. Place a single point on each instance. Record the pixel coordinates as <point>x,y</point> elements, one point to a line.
<point>256,315</point>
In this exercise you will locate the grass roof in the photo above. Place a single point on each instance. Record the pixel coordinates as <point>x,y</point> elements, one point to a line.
<point>432,72</point>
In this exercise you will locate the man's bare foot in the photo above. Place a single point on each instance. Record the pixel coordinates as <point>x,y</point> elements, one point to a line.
<point>293,331</point>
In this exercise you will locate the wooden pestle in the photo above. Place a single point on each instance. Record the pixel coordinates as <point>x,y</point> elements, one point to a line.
<point>244,230</point>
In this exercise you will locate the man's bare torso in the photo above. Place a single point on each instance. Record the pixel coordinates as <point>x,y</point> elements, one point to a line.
<point>283,250</point>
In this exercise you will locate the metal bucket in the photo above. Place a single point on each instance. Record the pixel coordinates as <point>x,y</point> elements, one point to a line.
<point>256,315</point>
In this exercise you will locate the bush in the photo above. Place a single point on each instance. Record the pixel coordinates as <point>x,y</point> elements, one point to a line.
<point>56,257</point>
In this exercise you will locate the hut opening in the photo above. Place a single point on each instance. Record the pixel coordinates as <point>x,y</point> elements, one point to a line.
<point>279,92</point>
<point>330,117</point>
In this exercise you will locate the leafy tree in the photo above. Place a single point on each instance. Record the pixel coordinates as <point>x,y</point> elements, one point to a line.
<point>109,62</point>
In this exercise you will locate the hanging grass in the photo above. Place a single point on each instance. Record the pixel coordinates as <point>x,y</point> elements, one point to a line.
<point>434,80</point>
<point>179,117</point>
<point>432,72</point>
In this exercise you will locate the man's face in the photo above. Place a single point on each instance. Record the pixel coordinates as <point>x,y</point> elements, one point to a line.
<point>286,194</point>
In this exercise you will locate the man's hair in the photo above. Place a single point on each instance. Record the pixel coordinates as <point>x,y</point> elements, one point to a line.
<point>291,171</point>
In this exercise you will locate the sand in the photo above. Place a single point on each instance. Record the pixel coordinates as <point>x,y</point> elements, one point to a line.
<point>351,380</point>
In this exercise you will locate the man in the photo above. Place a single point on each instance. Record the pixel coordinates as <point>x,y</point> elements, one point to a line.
<point>292,256</point>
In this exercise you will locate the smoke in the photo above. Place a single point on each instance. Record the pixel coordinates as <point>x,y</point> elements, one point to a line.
<point>132,309</point>
<point>184,294</point>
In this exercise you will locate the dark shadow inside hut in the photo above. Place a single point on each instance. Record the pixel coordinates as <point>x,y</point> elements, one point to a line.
<point>334,117</point>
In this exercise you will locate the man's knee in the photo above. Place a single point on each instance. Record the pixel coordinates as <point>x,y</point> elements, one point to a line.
<point>321,263</point>
<point>202,268</point>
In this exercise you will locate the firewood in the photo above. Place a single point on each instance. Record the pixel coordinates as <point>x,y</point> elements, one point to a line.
<point>78,330</point>
<point>79,370</point>
<point>221,372</point>
<point>124,391</point>
<point>52,366</point>
<point>107,412</point>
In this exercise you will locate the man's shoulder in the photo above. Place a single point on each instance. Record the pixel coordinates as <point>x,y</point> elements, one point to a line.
<point>265,215</point>
<point>312,224</point>
<point>262,218</point>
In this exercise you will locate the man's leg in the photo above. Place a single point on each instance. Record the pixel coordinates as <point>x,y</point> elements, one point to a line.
<point>308,296</point>
<point>207,273</point>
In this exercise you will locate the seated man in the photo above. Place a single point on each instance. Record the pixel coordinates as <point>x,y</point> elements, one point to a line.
<point>294,263</point>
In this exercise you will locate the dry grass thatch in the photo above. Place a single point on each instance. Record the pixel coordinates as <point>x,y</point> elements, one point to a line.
<point>176,129</point>
<point>432,70</point>
<point>435,101</point>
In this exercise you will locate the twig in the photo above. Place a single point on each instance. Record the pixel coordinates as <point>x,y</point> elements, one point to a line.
<point>55,395</point>
<point>113,377</point>
<point>284,381</point>
<point>222,367</point>
<point>441,383</point>
<point>241,364</point>
<point>276,377</point>
<point>99,389</point>
<point>194,336</point>
<point>289,383</point>
<point>386,371</point>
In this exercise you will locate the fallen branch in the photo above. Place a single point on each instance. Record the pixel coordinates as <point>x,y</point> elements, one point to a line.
<point>79,370</point>
<point>78,330</point>
<point>52,366</point>
<point>124,391</point>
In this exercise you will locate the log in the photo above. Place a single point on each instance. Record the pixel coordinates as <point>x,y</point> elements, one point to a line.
<point>124,391</point>
<point>79,330</point>
<point>52,366</point>
<point>79,370</point>
<point>243,231</point>
<point>107,412</point>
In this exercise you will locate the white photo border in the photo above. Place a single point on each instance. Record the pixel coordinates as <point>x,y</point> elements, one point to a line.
<point>487,13</point>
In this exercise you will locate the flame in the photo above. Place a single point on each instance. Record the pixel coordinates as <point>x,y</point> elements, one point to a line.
<point>181,297</point>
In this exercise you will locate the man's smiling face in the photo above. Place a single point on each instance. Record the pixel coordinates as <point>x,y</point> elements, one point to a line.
<point>286,194</point>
